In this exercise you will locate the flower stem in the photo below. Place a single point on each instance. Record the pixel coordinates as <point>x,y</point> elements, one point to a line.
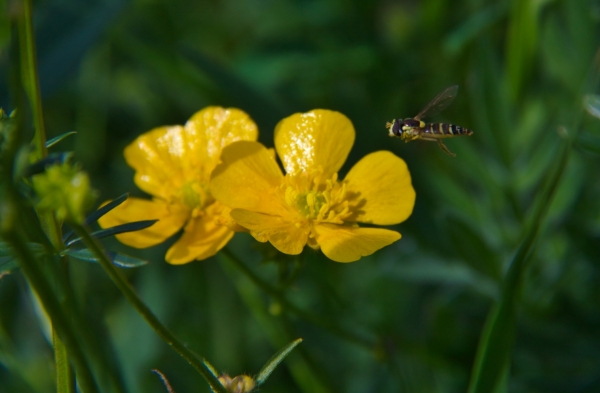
<point>125,287</point>
<point>64,376</point>
<point>29,74</point>
<point>60,321</point>
<point>30,77</point>
<point>365,342</point>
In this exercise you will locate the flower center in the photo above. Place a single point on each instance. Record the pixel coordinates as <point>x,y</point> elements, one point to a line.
<point>315,198</point>
<point>309,204</point>
<point>195,196</point>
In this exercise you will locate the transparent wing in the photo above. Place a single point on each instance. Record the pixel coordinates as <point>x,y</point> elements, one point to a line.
<point>439,103</point>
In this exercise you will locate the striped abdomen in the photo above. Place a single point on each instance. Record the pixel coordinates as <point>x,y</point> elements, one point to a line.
<point>445,130</point>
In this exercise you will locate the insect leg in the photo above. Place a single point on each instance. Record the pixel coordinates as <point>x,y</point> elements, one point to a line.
<point>444,148</point>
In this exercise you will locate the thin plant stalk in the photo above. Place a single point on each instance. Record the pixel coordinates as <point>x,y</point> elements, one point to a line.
<point>127,290</point>
<point>65,380</point>
<point>30,79</point>
<point>367,343</point>
<point>51,304</point>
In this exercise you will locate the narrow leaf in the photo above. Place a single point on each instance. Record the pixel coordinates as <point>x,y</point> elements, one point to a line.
<point>274,362</point>
<point>164,380</point>
<point>116,258</point>
<point>591,102</point>
<point>55,140</point>
<point>495,345</point>
<point>52,159</point>
<point>95,216</point>
<point>588,142</point>
<point>92,218</point>
<point>6,250</point>
<point>210,368</point>
<point>124,228</point>
<point>7,265</point>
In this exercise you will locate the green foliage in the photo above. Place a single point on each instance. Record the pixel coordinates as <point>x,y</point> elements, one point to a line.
<point>408,319</point>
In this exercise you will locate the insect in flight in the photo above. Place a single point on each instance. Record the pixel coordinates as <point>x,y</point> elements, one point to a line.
<point>414,128</point>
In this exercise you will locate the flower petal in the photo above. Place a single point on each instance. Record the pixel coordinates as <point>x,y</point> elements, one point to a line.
<point>283,235</point>
<point>166,158</point>
<point>247,178</point>
<point>171,219</point>
<point>218,127</point>
<point>380,190</point>
<point>349,244</point>
<point>319,138</point>
<point>202,238</point>
<point>156,157</point>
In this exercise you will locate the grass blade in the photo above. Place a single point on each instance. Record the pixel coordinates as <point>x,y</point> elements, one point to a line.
<point>274,361</point>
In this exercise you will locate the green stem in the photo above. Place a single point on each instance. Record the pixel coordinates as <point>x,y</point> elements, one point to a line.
<point>51,304</point>
<point>64,376</point>
<point>30,77</point>
<point>123,285</point>
<point>308,376</point>
<point>368,343</point>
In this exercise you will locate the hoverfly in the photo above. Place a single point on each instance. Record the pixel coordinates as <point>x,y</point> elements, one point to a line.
<point>412,129</point>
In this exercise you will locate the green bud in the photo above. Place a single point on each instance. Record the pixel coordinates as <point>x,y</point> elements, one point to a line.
<point>65,190</point>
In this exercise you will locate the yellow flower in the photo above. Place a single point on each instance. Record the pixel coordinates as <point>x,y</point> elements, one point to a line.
<point>309,204</point>
<point>174,164</point>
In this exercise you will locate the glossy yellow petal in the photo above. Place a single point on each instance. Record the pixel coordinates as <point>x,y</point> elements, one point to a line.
<point>319,138</point>
<point>171,219</point>
<point>157,158</point>
<point>247,178</point>
<point>349,244</point>
<point>282,234</point>
<point>379,187</point>
<point>216,128</point>
<point>167,158</point>
<point>202,238</point>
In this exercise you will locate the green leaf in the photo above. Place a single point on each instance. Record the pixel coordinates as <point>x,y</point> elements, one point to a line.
<point>591,103</point>
<point>211,368</point>
<point>116,258</point>
<point>8,262</point>
<point>164,380</point>
<point>95,216</point>
<point>7,265</point>
<point>496,341</point>
<point>444,272</point>
<point>52,159</point>
<point>588,142</point>
<point>55,140</point>
<point>123,228</point>
<point>274,361</point>
<point>473,27</point>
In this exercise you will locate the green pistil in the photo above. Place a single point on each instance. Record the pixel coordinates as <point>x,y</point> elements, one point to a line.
<point>310,204</point>
<point>192,195</point>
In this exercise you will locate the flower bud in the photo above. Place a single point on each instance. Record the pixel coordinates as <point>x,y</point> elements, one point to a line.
<point>65,190</point>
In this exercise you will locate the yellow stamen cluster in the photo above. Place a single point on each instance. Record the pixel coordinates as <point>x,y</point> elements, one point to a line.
<point>315,199</point>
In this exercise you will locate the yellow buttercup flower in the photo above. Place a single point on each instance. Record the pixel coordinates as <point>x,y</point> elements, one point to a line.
<point>174,164</point>
<point>309,204</point>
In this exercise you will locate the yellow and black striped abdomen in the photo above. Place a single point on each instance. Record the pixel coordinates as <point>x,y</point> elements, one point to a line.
<point>445,130</point>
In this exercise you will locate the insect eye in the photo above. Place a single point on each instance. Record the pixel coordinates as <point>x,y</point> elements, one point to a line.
<point>396,127</point>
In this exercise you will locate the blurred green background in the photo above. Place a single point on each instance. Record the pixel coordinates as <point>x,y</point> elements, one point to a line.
<point>111,70</point>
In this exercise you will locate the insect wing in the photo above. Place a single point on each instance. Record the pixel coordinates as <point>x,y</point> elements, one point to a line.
<point>439,103</point>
